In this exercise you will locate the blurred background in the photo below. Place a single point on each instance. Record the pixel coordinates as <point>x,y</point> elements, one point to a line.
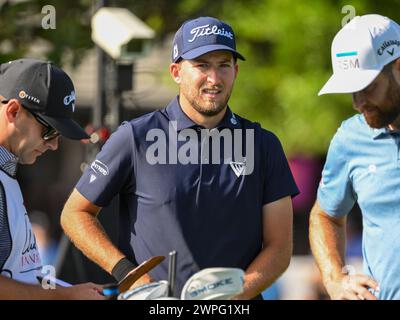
<point>287,49</point>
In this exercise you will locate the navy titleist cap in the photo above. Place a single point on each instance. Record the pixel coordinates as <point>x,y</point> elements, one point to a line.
<point>202,35</point>
<point>44,89</point>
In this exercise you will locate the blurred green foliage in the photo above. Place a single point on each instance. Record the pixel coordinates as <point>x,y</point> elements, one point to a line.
<point>286,44</point>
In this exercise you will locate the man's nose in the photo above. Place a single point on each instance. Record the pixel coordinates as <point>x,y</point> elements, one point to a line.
<point>52,144</point>
<point>212,76</point>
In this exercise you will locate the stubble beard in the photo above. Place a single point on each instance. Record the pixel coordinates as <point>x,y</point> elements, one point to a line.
<point>382,118</point>
<point>209,108</point>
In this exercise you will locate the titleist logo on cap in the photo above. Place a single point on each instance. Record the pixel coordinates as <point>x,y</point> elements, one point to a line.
<point>206,30</point>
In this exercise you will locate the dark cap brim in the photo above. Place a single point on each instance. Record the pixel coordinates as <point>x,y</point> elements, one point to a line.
<point>197,52</point>
<point>67,127</point>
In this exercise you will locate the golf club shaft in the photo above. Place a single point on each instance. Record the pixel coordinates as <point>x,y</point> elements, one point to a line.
<point>171,273</point>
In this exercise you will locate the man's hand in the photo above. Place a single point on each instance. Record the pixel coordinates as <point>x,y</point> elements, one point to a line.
<point>328,243</point>
<point>352,287</point>
<point>145,279</point>
<point>139,275</point>
<point>84,291</point>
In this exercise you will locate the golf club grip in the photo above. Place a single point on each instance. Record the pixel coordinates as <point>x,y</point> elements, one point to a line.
<point>139,271</point>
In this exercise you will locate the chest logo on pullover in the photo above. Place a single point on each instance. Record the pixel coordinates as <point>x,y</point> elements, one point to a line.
<point>238,168</point>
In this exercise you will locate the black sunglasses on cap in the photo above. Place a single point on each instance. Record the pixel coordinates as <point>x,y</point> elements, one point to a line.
<point>50,132</point>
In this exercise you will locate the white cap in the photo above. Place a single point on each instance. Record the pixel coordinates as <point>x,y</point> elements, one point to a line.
<point>214,284</point>
<point>360,50</point>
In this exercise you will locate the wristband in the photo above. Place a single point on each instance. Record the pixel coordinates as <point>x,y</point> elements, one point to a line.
<point>122,268</point>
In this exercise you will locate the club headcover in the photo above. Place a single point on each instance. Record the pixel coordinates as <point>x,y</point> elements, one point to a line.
<point>151,291</point>
<point>214,284</point>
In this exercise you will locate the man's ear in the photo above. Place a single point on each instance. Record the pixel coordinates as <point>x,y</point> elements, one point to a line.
<point>174,70</point>
<point>12,110</point>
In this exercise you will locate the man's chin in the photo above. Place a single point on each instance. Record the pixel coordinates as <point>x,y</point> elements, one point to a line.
<point>210,110</point>
<point>30,160</point>
<point>378,122</point>
<point>375,124</point>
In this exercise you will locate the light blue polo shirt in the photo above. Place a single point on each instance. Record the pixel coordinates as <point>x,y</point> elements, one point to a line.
<point>363,165</point>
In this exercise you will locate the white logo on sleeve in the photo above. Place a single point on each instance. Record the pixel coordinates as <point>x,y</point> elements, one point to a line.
<point>238,168</point>
<point>372,168</point>
<point>99,168</point>
<point>92,178</point>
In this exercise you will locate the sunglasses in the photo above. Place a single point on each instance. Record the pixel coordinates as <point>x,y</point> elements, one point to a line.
<point>50,132</point>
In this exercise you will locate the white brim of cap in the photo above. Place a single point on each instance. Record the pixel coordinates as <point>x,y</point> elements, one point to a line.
<point>349,82</point>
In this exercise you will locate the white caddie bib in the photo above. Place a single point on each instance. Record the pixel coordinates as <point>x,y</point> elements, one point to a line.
<point>20,256</point>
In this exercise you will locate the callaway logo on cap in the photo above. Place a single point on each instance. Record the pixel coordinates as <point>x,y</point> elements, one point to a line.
<point>360,50</point>
<point>44,89</point>
<point>202,35</point>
